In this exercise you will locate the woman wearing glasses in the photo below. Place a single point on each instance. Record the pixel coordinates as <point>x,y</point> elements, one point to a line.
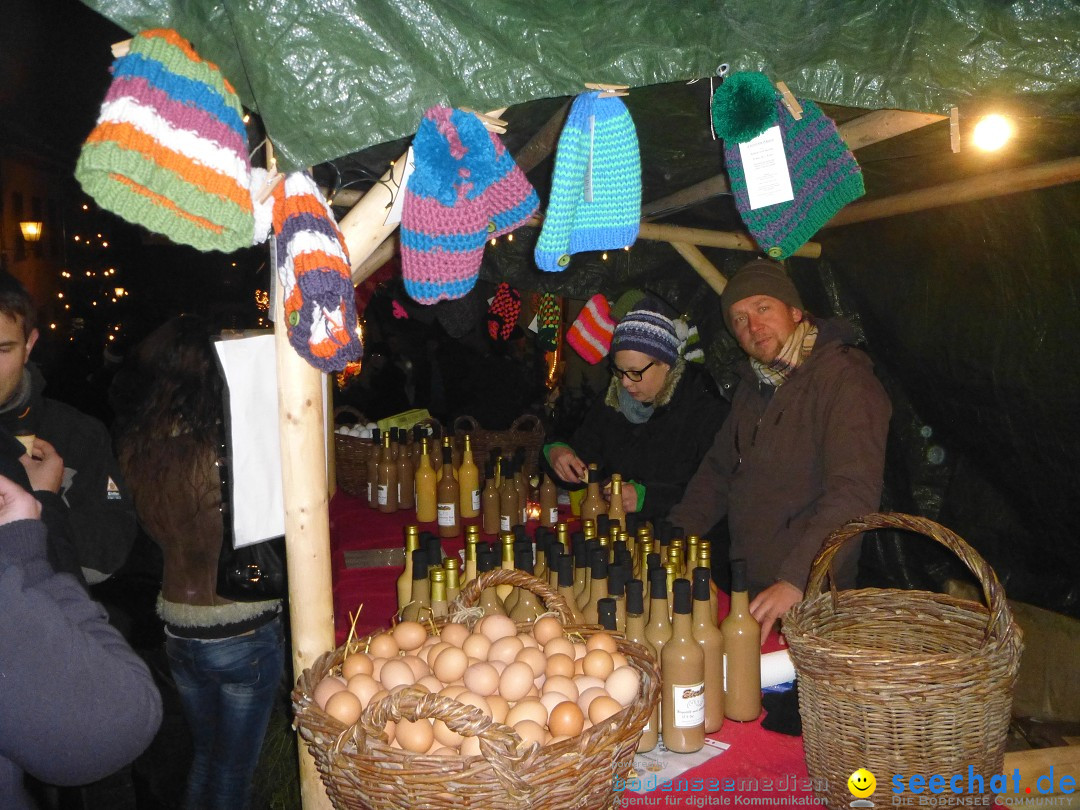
<point>656,420</point>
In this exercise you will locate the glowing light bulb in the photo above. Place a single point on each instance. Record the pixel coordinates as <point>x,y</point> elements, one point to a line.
<point>493,242</point>
<point>992,132</point>
<point>604,256</point>
<point>509,237</point>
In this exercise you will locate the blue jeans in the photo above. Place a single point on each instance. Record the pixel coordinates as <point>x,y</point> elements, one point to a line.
<point>227,688</point>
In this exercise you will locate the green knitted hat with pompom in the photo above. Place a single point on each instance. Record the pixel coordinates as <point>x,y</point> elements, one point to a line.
<point>743,107</point>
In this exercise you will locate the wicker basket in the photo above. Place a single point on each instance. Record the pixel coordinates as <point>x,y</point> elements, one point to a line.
<point>902,682</point>
<point>526,431</point>
<point>360,770</point>
<point>352,453</point>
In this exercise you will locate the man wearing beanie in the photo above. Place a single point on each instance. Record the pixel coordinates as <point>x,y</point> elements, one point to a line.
<point>803,449</point>
<point>656,420</point>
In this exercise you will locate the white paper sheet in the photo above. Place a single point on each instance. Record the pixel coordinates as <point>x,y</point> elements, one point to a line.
<point>250,367</point>
<point>768,180</point>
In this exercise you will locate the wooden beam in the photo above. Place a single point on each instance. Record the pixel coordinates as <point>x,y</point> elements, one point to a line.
<point>971,189</point>
<point>881,125</point>
<point>721,239</point>
<point>857,133</point>
<point>701,264</point>
<point>380,256</point>
<point>543,141</point>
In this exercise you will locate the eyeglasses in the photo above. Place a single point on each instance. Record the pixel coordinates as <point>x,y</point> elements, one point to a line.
<point>634,375</point>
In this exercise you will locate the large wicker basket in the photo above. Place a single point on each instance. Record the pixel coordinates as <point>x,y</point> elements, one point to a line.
<point>360,770</point>
<point>902,682</point>
<point>526,432</point>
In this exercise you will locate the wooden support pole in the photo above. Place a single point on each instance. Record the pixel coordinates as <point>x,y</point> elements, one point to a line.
<point>971,189</point>
<point>700,262</point>
<point>307,524</point>
<point>687,197</point>
<point>543,141</point>
<point>720,239</point>
<point>881,125</point>
<point>380,256</point>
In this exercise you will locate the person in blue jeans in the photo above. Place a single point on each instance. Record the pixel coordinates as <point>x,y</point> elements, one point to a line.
<point>227,658</point>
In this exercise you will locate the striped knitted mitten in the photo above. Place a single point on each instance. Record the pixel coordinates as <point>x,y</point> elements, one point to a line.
<point>590,334</point>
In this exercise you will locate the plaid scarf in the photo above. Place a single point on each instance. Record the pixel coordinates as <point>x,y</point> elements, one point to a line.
<point>791,356</point>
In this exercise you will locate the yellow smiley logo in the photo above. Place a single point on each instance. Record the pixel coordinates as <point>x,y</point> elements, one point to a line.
<point>862,783</point>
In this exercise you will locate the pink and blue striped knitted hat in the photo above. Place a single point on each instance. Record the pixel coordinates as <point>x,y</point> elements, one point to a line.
<point>466,189</point>
<point>169,150</point>
<point>313,267</point>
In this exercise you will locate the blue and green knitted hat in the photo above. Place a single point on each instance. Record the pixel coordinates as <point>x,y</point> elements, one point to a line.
<point>595,201</point>
<point>824,174</point>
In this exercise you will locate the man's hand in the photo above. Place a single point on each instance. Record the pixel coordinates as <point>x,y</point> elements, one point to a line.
<point>629,498</point>
<point>567,465</point>
<point>16,503</point>
<point>44,467</point>
<point>772,603</point>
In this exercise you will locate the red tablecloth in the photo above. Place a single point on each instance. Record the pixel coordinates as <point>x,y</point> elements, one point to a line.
<point>759,764</point>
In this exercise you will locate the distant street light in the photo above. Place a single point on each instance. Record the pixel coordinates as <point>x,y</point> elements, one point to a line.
<point>31,231</point>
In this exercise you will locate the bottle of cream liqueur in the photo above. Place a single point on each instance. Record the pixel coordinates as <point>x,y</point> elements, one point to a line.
<point>682,669</point>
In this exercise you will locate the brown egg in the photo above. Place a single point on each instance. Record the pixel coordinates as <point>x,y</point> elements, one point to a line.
<point>470,747</point>
<point>560,645</point>
<point>499,707</point>
<point>364,687</point>
<point>445,751</point>
<point>415,735</point>
<point>566,719</point>
<point>559,664</point>
<point>552,699</point>
<point>473,699</point>
<point>450,665</point>
<point>455,634</point>
<point>396,673</point>
<point>530,732</point>
<point>535,659</point>
<point>429,654</point>
<point>558,738</point>
<point>433,684</point>
<point>586,698</point>
<point>546,629</point>
<point>496,627</point>
<point>383,646</point>
<point>584,682</point>
<point>376,667</point>
<point>356,664</point>
<point>527,709</point>
<point>344,707</point>
<point>482,678</point>
<point>516,681</point>
<point>598,664</point>
<point>477,646</point>
<point>409,635</point>
<point>623,684</point>
<point>419,668</point>
<point>601,641</point>
<point>602,708</point>
<point>527,640</point>
<point>325,688</point>
<point>390,729</point>
<point>562,685</point>
<point>620,660</point>
<point>579,650</point>
<point>452,691</point>
<point>505,649</point>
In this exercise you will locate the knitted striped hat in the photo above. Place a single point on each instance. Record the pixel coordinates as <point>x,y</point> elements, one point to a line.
<point>648,330</point>
<point>595,201</point>
<point>313,268</point>
<point>824,177</point>
<point>466,189</point>
<point>590,333</point>
<point>169,151</point>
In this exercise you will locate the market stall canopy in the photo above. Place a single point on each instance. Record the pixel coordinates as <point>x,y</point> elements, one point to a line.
<point>332,78</point>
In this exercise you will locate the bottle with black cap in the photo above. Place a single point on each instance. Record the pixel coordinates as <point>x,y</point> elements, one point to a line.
<point>373,468</point>
<point>406,474</point>
<point>711,640</point>
<point>489,501</point>
<point>658,630</point>
<point>420,599</point>
<point>526,608</point>
<point>581,568</point>
<point>566,587</point>
<point>449,498</point>
<point>437,589</point>
<point>594,503</point>
<point>635,632</point>
<point>509,511</point>
<point>605,610</point>
<point>652,562</point>
<point>549,502</point>
<point>682,667</point>
<point>617,576</point>
<point>540,569</point>
<point>598,585</point>
<point>742,652</point>
<point>404,582</point>
<point>489,600</point>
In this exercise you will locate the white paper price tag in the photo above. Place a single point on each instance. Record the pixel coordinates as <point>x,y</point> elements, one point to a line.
<point>768,181</point>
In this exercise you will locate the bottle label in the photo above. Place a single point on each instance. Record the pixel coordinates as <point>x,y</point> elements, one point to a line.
<point>476,500</point>
<point>446,514</point>
<point>369,491</point>
<point>688,702</point>
<point>383,493</point>
<point>553,515</point>
<point>504,523</point>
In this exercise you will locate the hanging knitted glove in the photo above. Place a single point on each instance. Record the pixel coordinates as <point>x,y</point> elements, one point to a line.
<point>548,320</point>
<point>590,334</point>
<point>504,312</point>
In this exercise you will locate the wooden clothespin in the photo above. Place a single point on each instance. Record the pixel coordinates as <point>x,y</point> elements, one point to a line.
<point>491,123</point>
<point>792,103</point>
<point>609,90</point>
<point>954,128</point>
<point>121,48</point>
<point>273,177</point>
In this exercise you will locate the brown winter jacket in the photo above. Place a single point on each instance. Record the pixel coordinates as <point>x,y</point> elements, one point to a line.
<point>793,463</point>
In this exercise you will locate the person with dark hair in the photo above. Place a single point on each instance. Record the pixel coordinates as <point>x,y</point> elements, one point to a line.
<point>69,460</point>
<point>77,703</point>
<point>227,658</point>
<point>803,450</point>
<point>654,423</point>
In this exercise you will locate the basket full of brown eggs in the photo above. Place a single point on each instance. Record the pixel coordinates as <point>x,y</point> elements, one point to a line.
<point>478,711</point>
